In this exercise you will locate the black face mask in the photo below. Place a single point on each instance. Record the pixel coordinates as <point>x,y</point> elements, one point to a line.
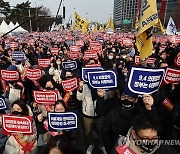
<point>127,105</point>
<point>147,146</point>
<point>49,88</point>
<point>69,77</point>
<point>17,113</point>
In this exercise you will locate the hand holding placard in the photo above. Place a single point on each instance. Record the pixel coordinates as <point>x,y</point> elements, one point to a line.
<point>148,101</point>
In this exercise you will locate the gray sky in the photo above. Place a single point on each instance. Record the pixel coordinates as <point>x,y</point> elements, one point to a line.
<point>98,10</point>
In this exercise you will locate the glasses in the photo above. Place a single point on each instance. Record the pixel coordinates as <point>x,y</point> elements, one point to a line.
<point>131,99</point>
<point>154,139</point>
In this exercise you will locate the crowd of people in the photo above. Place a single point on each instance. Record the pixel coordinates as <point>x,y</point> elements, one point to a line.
<point>109,121</point>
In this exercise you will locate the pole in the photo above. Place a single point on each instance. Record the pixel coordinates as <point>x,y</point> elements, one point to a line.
<point>165,14</point>
<point>30,23</point>
<point>58,9</point>
<point>18,26</point>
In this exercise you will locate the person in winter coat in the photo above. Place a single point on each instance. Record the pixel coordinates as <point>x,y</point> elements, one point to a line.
<point>19,143</point>
<point>91,121</point>
<point>119,120</point>
<point>143,138</point>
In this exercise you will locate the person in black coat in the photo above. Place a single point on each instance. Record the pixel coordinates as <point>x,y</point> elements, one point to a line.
<point>119,120</point>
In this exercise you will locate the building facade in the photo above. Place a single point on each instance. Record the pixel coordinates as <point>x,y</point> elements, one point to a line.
<point>167,8</point>
<point>124,9</point>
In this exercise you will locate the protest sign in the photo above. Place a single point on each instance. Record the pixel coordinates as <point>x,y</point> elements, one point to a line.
<point>97,47</point>
<point>85,71</point>
<point>102,79</point>
<point>45,97</point>
<point>13,45</point>
<point>18,55</point>
<point>144,80</point>
<point>172,76</point>
<point>72,65</point>
<point>9,75</point>
<point>44,62</point>
<point>2,103</point>
<point>70,85</point>
<point>33,74</point>
<point>149,61</point>
<point>73,55</point>
<point>15,124</point>
<point>80,43</point>
<point>89,54</point>
<point>62,121</point>
<point>93,65</point>
<point>69,42</point>
<point>75,49</point>
<point>54,51</point>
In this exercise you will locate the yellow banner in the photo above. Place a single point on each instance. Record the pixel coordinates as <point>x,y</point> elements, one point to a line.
<point>79,22</point>
<point>159,26</point>
<point>148,18</point>
<point>148,15</point>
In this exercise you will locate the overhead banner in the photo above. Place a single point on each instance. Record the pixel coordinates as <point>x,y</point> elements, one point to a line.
<point>44,62</point>
<point>102,79</point>
<point>172,76</point>
<point>18,55</point>
<point>70,85</point>
<point>33,74</point>
<point>62,121</point>
<point>9,75</point>
<point>2,103</point>
<point>72,65</point>
<point>144,80</point>
<point>16,124</point>
<point>45,97</point>
<point>85,71</point>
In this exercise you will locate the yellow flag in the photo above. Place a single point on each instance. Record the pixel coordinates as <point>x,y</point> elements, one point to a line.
<point>111,23</point>
<point>79,22</point>
<point>95,28</point>
<point>148,18</point>
<point>86,26</point>
<point>159,26</point>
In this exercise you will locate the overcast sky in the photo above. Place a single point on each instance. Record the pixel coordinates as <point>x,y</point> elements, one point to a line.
<point>97,10</point>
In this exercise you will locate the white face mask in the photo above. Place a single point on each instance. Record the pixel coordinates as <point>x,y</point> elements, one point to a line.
<point>14,94</point>
<point>110,57</point>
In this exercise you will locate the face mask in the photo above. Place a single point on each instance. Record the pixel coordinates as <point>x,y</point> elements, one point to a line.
<point>69,77</point>
<point>17,113</point>
<point>14,94</point>
<point>110,57</point>
<point>147,146</point>
<point>49,88</point>
<point>127,105</point>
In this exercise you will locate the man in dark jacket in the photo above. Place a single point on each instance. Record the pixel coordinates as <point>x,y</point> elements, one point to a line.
<point>119,120</point>
<point>143,138</point>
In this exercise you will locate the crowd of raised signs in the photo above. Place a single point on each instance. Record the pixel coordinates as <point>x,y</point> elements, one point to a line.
<point>73,93</point>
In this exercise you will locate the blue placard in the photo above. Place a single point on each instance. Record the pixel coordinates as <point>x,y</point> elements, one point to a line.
<point>85,71</point>
<point>69,42</point>
<point>2,103</point>
<point>72,65</point>
<point>62,121</point>
<point>103,79</point>
<point>18,55</point>
<point>101,40</point>
<point>144,80</point>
